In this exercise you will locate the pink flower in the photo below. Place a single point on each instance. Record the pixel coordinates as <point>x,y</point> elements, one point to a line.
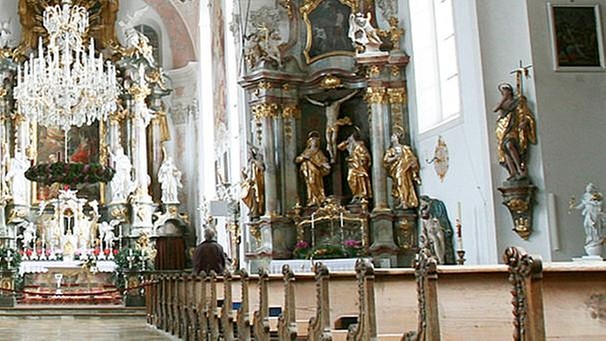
<point>115,252</point>
<point>301,244</point>
<point>351,243</point>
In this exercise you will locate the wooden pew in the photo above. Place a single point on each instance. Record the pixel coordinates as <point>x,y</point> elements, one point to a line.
<point>202,306</point>
<point>261,316</point>
<point>426,276</point>
<point>526,277</point>
<point>214,319</point>
<point>243,315</point>
<point>319,325</point>
<point>287,325</point>
<point>366,328</point>
<point>227,316</point>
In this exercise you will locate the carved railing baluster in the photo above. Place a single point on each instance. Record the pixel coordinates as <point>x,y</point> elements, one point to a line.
<point>164,303</point>
<point>243,315</point>
<point>526,276</point>
<point>319,325</point>
<point>182,307</point>
<point>213,309</point>
<point>203,307</point>
<point>366,328</point>
<point>150,298</point>
<point>261,316</point>
<point>426,276</point>
<point>227,316</point>
<point>194,316</point>
<point>174,317</point>
<point>189,308</point>
<point>160,304</point>
<point>287,325</point>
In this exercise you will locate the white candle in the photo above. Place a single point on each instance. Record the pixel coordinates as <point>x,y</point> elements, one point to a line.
<point>459,211</point>
<point>341,217</point>
<point>313,230</point>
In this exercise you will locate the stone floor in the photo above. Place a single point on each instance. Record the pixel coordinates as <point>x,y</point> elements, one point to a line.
<point>70,329</point>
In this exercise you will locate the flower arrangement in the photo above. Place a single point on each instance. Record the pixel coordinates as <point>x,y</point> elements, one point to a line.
<point>70,173</point>
<point>9,259</point>
<point>129,259</point>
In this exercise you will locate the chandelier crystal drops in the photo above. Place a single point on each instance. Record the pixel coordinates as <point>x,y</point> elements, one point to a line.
<point>65,85</point>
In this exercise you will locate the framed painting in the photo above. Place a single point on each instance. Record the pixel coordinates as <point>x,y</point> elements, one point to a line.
<point>327,23</point>
<point>576,34</point>
<point>82,147</point>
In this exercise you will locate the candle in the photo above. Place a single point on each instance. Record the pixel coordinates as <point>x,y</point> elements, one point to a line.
<point>313,230</point>
<point>459,211</point>
<point>341,217</point>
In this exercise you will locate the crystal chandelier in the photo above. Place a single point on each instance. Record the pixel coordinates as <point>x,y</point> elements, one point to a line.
<point>65,85</point>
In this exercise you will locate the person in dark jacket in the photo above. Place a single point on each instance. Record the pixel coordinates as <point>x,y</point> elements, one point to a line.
<point>209,254</point>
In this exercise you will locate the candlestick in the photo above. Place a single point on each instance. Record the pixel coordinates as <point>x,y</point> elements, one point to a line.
<point>459,235</point>
<point>459,210</point>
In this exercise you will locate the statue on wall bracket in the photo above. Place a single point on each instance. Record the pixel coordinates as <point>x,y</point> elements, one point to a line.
<point>515,131</point>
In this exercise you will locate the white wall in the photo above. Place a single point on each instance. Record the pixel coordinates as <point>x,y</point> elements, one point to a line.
<point>570,106</point>
<point>468,177</point>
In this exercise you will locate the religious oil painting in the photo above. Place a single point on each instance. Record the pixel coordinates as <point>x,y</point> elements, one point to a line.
<point>82,147</point>
<point>327,30</point>
<point>576,37</point>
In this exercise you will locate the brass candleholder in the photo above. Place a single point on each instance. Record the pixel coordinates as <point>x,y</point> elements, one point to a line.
<point>461,257</point>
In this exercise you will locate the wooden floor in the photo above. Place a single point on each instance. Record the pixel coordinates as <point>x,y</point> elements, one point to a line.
<point>68,328</point>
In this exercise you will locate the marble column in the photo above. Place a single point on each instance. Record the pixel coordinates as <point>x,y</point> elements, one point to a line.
<point>377,102</point>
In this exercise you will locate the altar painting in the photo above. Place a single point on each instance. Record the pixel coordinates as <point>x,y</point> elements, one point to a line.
<point>327,30</point>
<point>82,147</point>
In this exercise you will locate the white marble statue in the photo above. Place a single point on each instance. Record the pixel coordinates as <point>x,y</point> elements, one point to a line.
<point>122,183</point>
<point>170,179</point>
<point>29,233</point>
<point>106,232</point>
<point>5,33</point>
<point>593,219</point>
<point>135,39</point>
<point>19,185</point>
<point>362,34</point>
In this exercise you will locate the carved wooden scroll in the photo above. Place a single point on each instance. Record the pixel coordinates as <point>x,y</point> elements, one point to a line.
<point>319,325</point>
<point>526,275</point>
<point>227,316</point>
<point>426,275</point>
<point>203,307</point>
<point>213,309</point>
<point>261,316</point>
<point>243,315</point>
<point>287,325</point>
<point>366,328</point>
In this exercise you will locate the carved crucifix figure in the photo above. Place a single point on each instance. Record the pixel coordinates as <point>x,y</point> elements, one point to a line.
<point>333,122</point>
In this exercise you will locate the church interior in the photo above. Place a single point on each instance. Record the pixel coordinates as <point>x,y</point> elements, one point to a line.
<point>372,169</point>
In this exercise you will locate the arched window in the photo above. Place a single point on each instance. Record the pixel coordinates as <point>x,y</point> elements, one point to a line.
<point>435,63</point>
<point>154,40</point>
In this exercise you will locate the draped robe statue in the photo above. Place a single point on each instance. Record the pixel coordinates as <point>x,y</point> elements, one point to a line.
<point>403,167</point>
<point>314,167</point>
<point>358,163</point>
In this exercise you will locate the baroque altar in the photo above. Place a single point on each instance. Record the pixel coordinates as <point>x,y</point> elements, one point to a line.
<point>330,169</point>
<point>75,176</point>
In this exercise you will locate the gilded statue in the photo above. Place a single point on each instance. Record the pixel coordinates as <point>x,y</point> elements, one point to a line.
<point>358,163</point>
<point>253,183</point>
<point>403,168</point>
<point>333,122</point>
<point>515,129</point>
<point>314,167</point>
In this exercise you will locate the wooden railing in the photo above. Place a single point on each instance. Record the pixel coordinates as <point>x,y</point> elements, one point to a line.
<point>187,306</point>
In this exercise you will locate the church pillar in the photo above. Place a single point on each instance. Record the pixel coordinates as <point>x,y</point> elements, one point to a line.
<point>265,113</point>
<point>383,247</point>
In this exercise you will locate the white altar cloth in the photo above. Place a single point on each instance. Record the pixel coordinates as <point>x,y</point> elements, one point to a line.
<point>43,266</point>
<point>306,265</point>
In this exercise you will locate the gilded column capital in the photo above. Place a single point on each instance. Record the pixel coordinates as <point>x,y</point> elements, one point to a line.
<point>291,111</point>
<point>138,92</point>
<point>397,95</point>
<point>262,110</point>
<point>376,95</point>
